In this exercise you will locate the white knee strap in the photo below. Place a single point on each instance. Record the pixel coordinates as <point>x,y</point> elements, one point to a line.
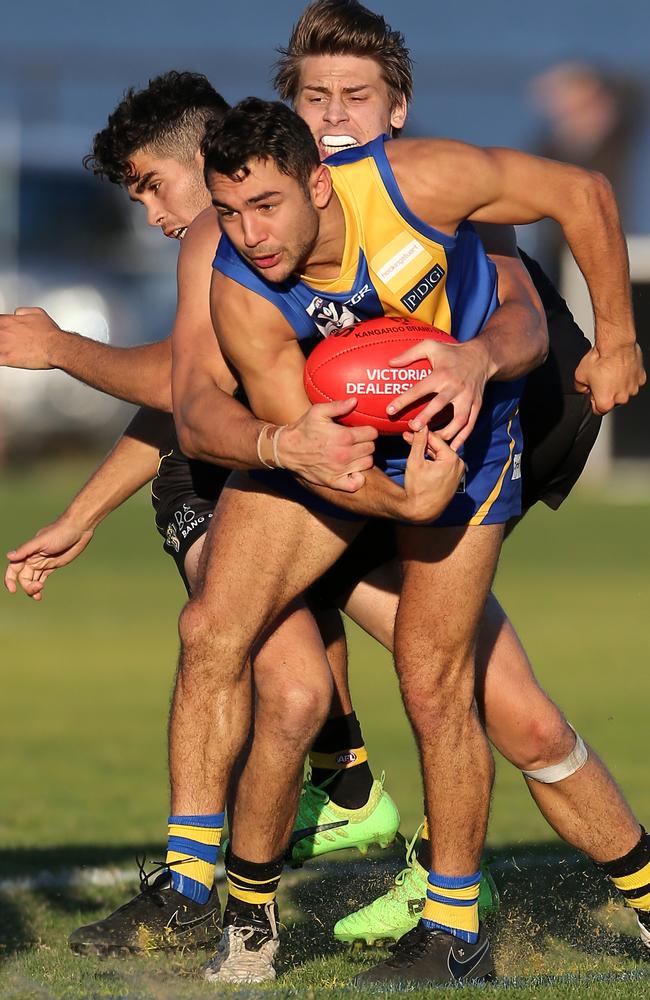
<point>558,772</point>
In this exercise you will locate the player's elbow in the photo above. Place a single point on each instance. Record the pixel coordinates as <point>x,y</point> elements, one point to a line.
<point>601,187</point>
<point>594,195</point>
<point>187,438</point>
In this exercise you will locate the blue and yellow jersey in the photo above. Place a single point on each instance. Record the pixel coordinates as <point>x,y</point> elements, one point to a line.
<point>393,264</point>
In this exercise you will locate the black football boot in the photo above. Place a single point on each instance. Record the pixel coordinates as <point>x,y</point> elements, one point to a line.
<point>158,919</point>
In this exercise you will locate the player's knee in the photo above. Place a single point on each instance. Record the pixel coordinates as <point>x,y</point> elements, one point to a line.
<point>546,741</point>
<point>306,709</point>
<point>300,706</point>
<point>436,702</point>
<point>208,642</point>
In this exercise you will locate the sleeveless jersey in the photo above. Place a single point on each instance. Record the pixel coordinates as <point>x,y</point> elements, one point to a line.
<point>393,264</point>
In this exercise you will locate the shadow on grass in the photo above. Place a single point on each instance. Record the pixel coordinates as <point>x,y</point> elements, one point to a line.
<point>45,892</point>
<point>25,861</point>
<point>16,929</point>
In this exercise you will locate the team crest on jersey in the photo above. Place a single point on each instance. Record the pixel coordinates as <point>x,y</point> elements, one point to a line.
<point>171,538</point>
<point>328,316</point>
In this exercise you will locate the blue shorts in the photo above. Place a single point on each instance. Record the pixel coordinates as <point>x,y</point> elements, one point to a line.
<point>491,489</point>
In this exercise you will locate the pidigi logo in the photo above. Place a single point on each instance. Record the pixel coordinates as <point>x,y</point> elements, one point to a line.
<point>424,287</point>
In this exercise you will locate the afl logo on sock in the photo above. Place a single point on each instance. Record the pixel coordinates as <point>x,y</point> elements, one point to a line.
<point>349,757</point>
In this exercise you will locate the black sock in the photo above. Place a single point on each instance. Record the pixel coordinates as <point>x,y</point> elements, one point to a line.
<point>339,757</point>
<point>251,885</point>
<point>631,874</point>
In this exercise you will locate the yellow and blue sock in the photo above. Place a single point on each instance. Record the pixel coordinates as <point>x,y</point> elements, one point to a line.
<point>452,905</point>
<point>192,850</point>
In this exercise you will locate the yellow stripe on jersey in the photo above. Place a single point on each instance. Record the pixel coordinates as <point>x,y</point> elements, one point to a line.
<point>484,509</point>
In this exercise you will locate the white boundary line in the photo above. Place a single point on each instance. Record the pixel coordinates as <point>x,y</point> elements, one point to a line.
<point>79,878</point>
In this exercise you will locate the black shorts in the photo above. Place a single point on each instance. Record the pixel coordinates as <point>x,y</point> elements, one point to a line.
<point>184,494</point>
<point>559,427</point>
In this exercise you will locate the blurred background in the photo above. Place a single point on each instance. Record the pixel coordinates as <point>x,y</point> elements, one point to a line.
<point>567,80</point>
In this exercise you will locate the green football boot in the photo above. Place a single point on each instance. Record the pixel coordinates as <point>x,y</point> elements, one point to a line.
<point>323,827</point>
<point>398,911</point>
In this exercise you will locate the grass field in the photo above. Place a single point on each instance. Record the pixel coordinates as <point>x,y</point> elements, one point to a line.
<point>82,770</point>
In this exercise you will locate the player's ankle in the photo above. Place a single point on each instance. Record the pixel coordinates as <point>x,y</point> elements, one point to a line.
<point>339,760</point>
<point>251,885</point>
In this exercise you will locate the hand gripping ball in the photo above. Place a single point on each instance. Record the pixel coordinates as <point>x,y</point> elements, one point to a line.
<point>355,362</point>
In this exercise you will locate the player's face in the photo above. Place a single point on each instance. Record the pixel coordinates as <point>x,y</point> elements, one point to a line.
<point>345,101</point>
<point>269,217</point>
<point>172,192</point>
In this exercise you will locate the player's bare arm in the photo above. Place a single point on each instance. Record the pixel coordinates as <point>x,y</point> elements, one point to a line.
<point>132,463</point>
<point>507,186</point>
<point>262,347</point>
<point>214,427</point>
<point>512,343</point>
<point>141,375</point>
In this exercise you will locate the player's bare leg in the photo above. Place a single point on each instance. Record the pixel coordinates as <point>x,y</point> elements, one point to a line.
<point>447,574</point>
<point>343,805</point>
<point>222,621</point>
<point>332,631</point>
<point>192,562</point>
<point>261,552</point>
<point>356,810</point>
<point>585,808</point>
<point>293,690</point>
<point>372,603</point>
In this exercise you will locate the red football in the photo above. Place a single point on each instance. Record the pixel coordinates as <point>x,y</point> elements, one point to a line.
<point>354,362</point>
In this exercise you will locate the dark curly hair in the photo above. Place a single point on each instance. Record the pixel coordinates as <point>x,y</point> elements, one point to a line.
<point>338,27</point>
<point>169,116</point>
<point>260,130</point>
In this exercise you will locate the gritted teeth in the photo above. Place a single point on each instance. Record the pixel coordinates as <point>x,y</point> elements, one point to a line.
<point>339,141</point>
